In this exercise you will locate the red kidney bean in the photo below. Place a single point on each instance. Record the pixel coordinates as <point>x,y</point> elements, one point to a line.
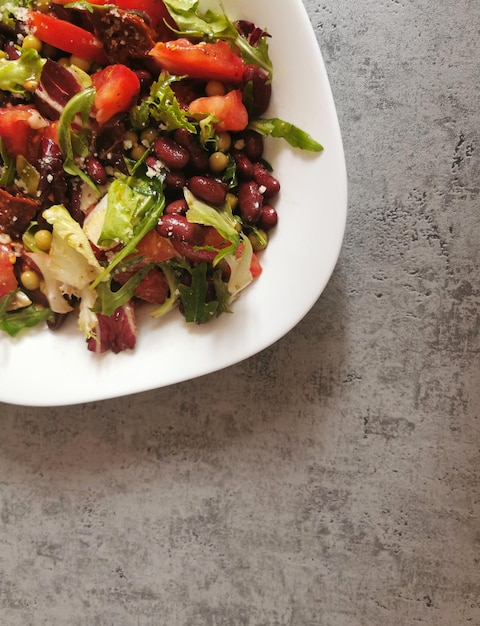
<point>171,153</point>
<point>145,79</point>
<point>198,155</point>
<point>208,189</point>
<point>261,88</point>
<point>96,171</point>
<point>268,217</point>
<point>244,165</point>
<point>176,207</point>
<point>175,179</point>
<point>178,227</point>
<point>250,201</point>
<point>253,145</point>
<point>265,180</point>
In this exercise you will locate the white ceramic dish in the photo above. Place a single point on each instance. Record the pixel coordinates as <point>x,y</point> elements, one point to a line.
<point>43,368</point>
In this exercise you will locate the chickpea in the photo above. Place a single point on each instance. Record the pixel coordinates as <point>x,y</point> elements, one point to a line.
<point>214,88</point>
<point>224,141</point>
<point>31,42</point>
<point>42,5</point>
<point>218,162</point>
<point>137,152</point>
<point>30,280</point>
<point>82,64</point>
<point>43,239</point>
<point>148,136</point>
<point>259,240</point>
<point>130,140</point>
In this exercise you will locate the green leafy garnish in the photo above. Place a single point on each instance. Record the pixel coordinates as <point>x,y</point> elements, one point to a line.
<point>8,171</point>
<point>108,301</point>
<point>193,296</point>
<point>12,322</point>
<point>74,143</point>
<point>215,26</point>
<point>21,75</point>
<point>294,135</point>
<point>162,106</point>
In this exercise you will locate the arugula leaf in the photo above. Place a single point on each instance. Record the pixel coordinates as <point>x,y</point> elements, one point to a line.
<point>76,142</point>
<point>294,135</point>
<point>108,300</point>
<point>214,26</point>
<point>193,297</point>
<point>21,75</point>
<point>12,322</point>
<point>163,106</point>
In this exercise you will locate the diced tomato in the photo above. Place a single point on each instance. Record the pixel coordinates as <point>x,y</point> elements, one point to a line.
<point>228,109</point>
<point>214,239</point>
<point>255,267</point>
<point>117,87</point>
<point>153,288</point>
<point>155,248</point>
<point>17,125</point>
<point>66,36</point>
<point>205,61</point>
<point>8,282</point>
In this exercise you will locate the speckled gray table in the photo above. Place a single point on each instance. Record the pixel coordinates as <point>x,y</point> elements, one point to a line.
<point>332,480</point>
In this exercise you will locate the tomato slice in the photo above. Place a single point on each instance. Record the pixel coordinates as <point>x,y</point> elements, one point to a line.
<point>228,109</point>
<point>8,282</point>
<point>117,87</point>
<point>66,36</point>
<point>155,248</point>
<point>205,61</point>
<point>17,125</point>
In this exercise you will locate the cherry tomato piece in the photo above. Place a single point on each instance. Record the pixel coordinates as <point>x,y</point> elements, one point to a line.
<point>66,36</point>
<point>8,282</point>
<point>205,61</point>
<point>17,126</point>
<point>228,109</point>
<point>155,248</point>
<point>117,87</point>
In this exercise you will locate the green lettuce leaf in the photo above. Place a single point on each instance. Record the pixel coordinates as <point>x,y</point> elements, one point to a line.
<point>73,262</point>
<point>240,274</point>
<point>295,136</point>
<point>221,218</point>
<point>21,75</point>
<point>130,223</point>
<point>214,26</point>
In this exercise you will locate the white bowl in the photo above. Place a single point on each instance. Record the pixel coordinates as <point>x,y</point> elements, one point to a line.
<point>44,368</point>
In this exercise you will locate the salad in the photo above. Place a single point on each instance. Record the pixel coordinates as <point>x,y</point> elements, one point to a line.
<point>132,163</point>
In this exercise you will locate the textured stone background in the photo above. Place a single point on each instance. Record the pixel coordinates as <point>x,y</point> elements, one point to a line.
<point>332,480</point>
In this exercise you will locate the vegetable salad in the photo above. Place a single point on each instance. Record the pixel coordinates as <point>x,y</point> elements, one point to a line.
<point>131,163</point>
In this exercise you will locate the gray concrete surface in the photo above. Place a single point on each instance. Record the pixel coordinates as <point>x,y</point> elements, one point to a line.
<point>332,480</point>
